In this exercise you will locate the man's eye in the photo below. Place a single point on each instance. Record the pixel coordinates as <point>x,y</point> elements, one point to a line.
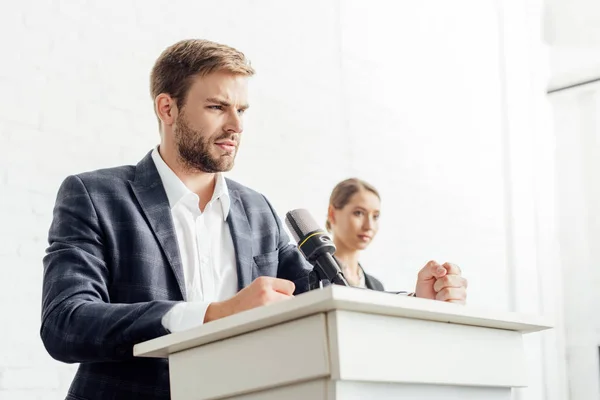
<point>358,213</point>
<point>241,111</point>
<point>216,107</point>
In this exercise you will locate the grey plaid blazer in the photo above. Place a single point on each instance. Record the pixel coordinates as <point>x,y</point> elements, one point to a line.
<point>112,270</point>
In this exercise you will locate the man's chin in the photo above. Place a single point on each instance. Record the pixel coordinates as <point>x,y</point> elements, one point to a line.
<point>227,161</point>
<point>226,165</point>
<point>226,168</point>
<point>222,163</point>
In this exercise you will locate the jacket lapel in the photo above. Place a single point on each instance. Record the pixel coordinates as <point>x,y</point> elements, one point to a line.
<point>242,239</point>
<point>150,193</point>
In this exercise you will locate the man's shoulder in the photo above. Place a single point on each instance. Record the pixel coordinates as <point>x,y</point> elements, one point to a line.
<point>104,182</point>
<point>111,178</point>
<point>101,185</point>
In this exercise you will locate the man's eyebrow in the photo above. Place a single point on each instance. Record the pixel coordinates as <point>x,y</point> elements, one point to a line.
<point>218,101</point>
<point>224,103</point>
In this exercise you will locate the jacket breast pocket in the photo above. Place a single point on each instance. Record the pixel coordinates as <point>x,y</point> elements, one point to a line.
<point>266,264</point>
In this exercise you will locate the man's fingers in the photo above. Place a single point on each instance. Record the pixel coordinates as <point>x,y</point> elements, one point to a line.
<point>454,281</point>
<point>456,294</point>
<point>282,286</point>
<point>277,296</point>
<point>431,270</point>
<point>452,269</point>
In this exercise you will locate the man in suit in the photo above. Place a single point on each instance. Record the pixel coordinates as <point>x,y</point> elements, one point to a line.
<point>137,252</point>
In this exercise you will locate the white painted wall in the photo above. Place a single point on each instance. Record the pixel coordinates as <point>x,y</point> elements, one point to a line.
<point>574,38</point>
<point>572,24</point>
<point>576,116</point>
<point>439,104</point>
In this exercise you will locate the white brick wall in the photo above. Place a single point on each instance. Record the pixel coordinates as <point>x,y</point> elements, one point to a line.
<point>407,96</point>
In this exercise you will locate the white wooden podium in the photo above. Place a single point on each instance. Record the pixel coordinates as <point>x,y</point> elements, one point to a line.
<point>347,343</point>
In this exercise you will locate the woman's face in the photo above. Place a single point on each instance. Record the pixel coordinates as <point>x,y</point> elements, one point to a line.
<point>356,224</point>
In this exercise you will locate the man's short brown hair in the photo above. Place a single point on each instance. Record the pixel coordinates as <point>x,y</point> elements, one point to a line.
<point>179,63</point>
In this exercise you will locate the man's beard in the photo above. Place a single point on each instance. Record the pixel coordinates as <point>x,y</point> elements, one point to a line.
<point>194,149</point>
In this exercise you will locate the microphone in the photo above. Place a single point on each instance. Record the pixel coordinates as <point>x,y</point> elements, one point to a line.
<point>315,245</point>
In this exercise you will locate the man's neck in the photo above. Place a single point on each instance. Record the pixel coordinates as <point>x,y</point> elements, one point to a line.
<point>201,183</point>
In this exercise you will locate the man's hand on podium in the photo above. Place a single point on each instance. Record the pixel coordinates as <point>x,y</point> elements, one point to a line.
<point>442,282</point>
<point>262,291</point>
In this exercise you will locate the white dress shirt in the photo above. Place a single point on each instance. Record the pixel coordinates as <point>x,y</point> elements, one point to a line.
<point>205,246</point>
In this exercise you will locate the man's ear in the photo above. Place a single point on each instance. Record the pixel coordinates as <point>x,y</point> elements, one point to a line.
<point>166,109</point>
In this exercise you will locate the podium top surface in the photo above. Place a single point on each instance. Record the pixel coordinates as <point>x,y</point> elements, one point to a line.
<point>338,298</point>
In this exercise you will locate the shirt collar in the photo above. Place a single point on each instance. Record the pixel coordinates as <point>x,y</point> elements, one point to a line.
<point>176,189</point>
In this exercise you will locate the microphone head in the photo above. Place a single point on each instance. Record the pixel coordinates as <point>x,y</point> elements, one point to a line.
<point>301,223</point>
<point>315,245</point>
